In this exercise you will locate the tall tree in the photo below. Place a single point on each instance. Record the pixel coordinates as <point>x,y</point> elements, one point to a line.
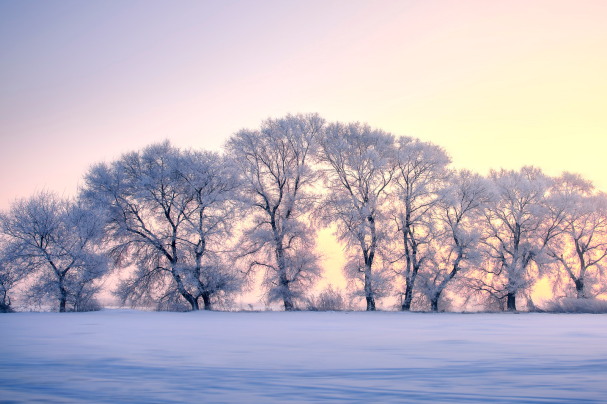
<point>168,213</point>
<point>580,250</point>
<point>274,162</point>
<point>420,174</point>
<point>56,240</point>
<point>458,218</point>
<point>359,169</point>
<point>212,181</point>
<point>518,225</point>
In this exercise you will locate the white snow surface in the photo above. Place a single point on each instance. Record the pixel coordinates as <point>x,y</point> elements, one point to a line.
<point>127,356</point>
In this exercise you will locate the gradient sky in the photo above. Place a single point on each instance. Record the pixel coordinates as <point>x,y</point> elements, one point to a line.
<point>496,83</point>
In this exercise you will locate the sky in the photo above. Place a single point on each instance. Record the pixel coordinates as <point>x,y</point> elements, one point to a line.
<point>497,84</point>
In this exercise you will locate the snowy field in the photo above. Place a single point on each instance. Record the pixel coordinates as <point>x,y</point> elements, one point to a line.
<point>121,356</point>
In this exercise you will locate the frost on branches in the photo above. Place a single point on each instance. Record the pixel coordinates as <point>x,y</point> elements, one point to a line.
<point>169,214</point>
<point>191,229</point>
<point>518,225</point>
<point>358,170</point>
<point>420,173</point>
<point>55,242</point>
<point>457,225</point>
<point>580,249</point>
<point>275,167</point>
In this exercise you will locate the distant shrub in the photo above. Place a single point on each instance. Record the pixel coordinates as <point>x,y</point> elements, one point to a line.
<point>571,305</point>
<point>176,305</point>
<point>329,299</point>
<point>90,304</point>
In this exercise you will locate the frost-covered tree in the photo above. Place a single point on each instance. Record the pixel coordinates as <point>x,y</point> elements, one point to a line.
<point>274,162</point>
<point>10,275</point>
<point>57,241</point>
<point>420,174</point>
<point>580,250</point>
<point>458,224</point>
<point>169,213</point>
<point>518,225</point>
<point>358,163</point>
<point>212,180</point>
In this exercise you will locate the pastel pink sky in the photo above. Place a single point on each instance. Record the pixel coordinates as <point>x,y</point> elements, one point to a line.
<point>496,83</point>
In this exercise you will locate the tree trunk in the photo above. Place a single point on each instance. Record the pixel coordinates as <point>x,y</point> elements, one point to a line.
<point>369,291</point>
<point>579,287</point>
<point>193,302</point>
<point>282,269</point>
<point>288,303</point>
<point>511,305</point>
<point>408,296</point>
<point>370,303</point>
<point>5,303</point>
<point>369,257</point>
<point>206,298</point>
<point>434,302</point>
<point>62,297</point>
<point>286,295</point>
<point>186,295</point>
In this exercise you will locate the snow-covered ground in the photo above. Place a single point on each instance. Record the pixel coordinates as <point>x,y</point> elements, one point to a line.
<point>117,356</point>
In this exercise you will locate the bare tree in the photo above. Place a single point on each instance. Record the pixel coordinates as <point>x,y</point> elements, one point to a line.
<point>580,250</point>
<point>11,274</point>
<point>458,217</point>
<point>421,171</point>
<point>359,169</point>
<point>168,214</point>
<point>57,241</point>
<point>518,225</point>
<point>213,182</point>
<point>274,162</point>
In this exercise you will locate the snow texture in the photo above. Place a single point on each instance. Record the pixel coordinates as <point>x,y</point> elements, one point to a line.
<point>157,357</point>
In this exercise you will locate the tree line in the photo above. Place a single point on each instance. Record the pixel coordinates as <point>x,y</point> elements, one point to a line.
<point>193,227</point>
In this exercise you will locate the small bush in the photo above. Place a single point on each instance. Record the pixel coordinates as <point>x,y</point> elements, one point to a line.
<point>570,305</point>
<point>90,304</point>
<point>329,299</point>
<point>173,305</point>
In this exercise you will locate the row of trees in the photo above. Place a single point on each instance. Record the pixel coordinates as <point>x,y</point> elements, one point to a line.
<point>193,227</point>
